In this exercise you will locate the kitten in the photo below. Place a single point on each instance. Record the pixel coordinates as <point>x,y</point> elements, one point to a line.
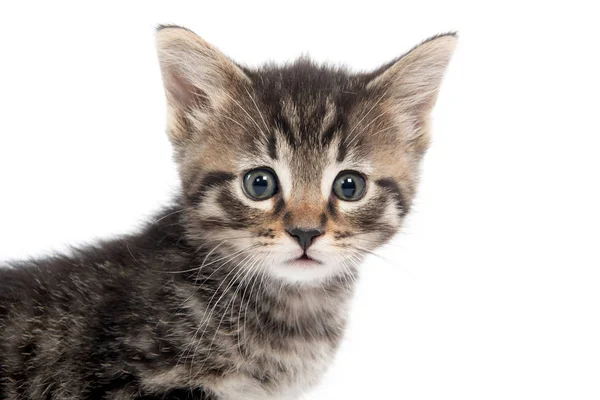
<point>290,176</point>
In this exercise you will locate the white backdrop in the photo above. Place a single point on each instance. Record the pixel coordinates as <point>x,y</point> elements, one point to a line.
<point>493,289</point>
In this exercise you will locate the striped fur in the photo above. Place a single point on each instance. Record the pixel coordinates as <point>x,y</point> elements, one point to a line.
<point>205,302</point>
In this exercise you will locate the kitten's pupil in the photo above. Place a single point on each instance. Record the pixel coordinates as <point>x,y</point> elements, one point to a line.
<point>348,187</point>
<point>260,184</point>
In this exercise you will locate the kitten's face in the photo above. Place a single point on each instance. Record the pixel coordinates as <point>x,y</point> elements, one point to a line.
<point>298,170</point>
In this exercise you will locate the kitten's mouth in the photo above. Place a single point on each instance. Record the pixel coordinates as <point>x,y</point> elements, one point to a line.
<point>304,260</point>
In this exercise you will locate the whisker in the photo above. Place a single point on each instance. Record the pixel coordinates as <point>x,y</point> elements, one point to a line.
<point>226,290</point>
<point>187,349</point>
<point>365,116</point>
<point>247,269</point>
<point>212,262</point>
<point>367,251</point>
<point>257,109</point>
<point>168,215</point>
<point>252,272</point>
<point>206,320</point>
<point>246,112</point>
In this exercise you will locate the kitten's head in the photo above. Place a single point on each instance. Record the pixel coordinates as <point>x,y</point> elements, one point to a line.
<point>299,169</point>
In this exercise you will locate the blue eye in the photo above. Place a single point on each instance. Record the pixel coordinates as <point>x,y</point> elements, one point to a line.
<point>349,186</point>
<point>260,184</point>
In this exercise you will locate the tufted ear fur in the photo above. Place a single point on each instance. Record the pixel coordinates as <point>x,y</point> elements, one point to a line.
<point>197,77</point>
<point>412,82</point>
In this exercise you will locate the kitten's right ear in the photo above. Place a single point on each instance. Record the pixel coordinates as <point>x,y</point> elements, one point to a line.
<point>195,74</point>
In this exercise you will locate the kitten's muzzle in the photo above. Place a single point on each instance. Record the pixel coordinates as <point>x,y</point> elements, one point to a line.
<point>305,237</point>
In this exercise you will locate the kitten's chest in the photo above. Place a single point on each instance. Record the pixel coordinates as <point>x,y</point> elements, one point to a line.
<point>276,349</point>
<point>286,373</point>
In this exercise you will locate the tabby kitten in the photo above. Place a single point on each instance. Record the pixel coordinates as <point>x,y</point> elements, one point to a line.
<point>240,290</point>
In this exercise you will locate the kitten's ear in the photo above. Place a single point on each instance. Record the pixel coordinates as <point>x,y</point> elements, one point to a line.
<point>413,81</point>
<point>195,74</point>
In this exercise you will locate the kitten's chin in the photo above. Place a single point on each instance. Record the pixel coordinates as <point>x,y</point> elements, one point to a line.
<point>305,271</point>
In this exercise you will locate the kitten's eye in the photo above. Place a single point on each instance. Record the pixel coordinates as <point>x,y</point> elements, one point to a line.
<point>260,184</point>
<point>349,186</point>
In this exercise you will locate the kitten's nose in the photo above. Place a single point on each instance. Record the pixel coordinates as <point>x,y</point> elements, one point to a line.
<point>305,237</point>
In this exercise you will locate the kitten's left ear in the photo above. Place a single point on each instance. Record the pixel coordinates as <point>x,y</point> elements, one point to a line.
<point>413,81</point>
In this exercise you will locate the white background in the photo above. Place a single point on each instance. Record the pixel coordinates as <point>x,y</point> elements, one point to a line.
<point>493,289</point>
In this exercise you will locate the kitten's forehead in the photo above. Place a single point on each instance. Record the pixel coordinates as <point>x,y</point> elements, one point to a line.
<point>307,107</point>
